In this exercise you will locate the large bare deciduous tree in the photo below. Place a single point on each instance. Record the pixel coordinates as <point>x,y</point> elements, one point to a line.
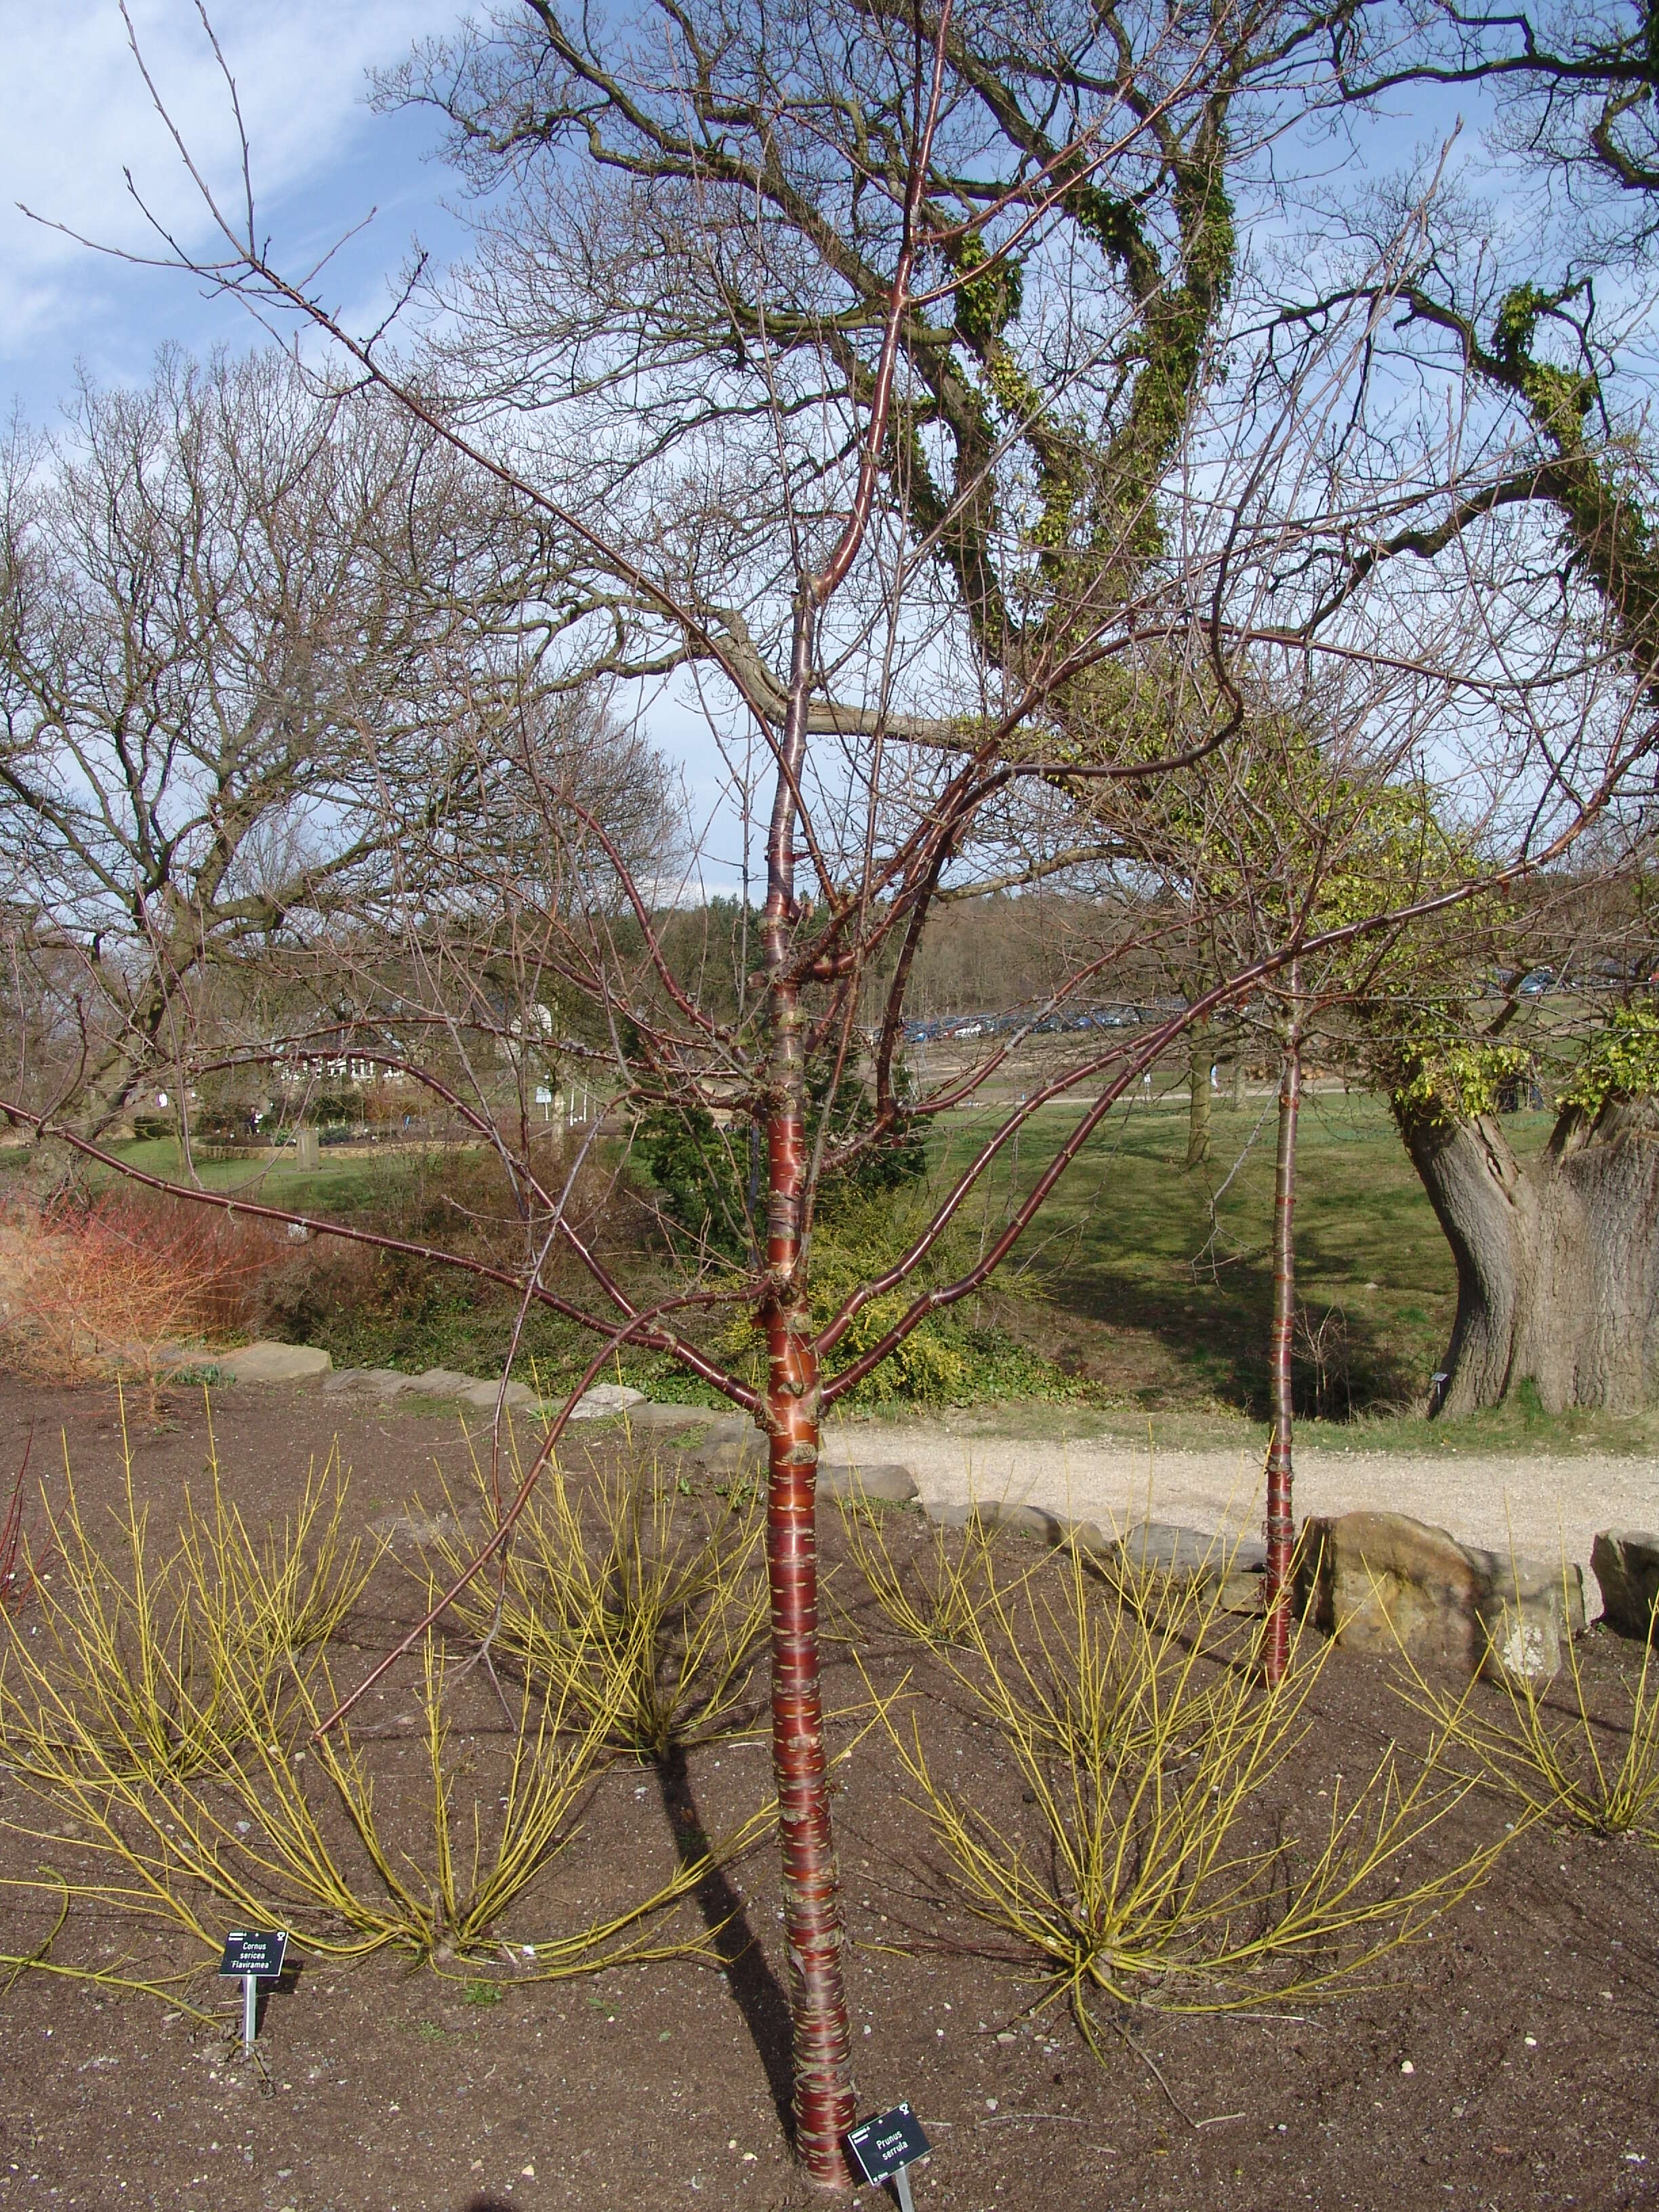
<point>1531,291</point>
<point>255,639</point>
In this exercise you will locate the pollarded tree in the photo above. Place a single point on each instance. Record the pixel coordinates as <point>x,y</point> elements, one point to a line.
<point>1558,1257</point>
<point>1555,1265</point>
<point>1529,303</point>
<point>1554,1261</point>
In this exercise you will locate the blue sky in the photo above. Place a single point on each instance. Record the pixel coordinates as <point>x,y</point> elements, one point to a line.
<point>78,114</point>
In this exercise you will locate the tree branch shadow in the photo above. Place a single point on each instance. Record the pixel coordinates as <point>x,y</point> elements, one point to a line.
<point>760,1996</point>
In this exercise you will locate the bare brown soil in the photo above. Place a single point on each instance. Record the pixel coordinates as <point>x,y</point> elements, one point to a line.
<point>1527,2024</point>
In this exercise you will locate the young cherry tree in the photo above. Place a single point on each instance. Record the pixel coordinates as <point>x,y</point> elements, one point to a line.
<point>1321,812</point>
<point>948,639</point>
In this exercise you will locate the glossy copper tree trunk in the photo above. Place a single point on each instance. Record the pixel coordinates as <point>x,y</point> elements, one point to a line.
<point>1281,1524</point>
<point>811,1908</point>
<point>821,2034</point>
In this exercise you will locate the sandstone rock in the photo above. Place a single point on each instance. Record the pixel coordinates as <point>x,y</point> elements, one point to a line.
<point>997,1514</point>
<point>1382,1581</point>
<point>1168,1549</point>
<point>1088,1537</point>
<point>692,1423</point>
<point>888,1483</point>
<point>730,1447</point>
<point>444,1382</point>
<point>483,1395</point>
<point>1193,1555</point>
<point>388,1382</point>
<point>1525,1610</point>
<point>276,1363</point>
<point>1241,1587</point>
<point>1626,1565</point>
<point>603,1398</point>
<point>1377,1581</point>
<point>1029,1520</point>
<point>370,1381</point>
<point>730,1431</point>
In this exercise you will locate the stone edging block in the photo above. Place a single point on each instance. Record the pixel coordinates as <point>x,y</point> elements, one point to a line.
<point>275,1363</point>
<point>1383,1582</point>
<point>1626,1562</point>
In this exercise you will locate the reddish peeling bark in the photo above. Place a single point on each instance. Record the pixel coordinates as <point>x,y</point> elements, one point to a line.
<point>821,2035</point>
<point>1281,1524</point>
<point>821,2031</point>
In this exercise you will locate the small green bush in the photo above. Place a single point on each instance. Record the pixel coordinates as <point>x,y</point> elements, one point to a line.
<point>708,1180</point>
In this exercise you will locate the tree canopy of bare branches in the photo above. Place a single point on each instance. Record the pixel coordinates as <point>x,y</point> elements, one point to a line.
<point>269,659</point>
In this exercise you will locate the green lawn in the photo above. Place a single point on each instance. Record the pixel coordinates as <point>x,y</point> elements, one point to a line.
<point>341,1185</point>
<point>1166,1302</point>
<point>1158,1306</point>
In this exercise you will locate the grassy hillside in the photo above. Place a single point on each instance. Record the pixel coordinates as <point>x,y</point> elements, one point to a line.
<point>1156,1281</point>
<point>1148,1284</point>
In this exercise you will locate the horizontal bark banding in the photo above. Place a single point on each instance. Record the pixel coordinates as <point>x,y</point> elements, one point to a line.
<point>821,2031</point>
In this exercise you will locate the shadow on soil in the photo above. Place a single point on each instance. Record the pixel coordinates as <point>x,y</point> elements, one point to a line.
<point>758,1994</point>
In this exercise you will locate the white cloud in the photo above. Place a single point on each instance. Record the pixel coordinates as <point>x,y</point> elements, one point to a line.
<point>78,114</point>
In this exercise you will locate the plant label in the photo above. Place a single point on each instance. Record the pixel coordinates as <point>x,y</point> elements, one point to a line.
<point>253,1955</point>
<point>882,2148</point>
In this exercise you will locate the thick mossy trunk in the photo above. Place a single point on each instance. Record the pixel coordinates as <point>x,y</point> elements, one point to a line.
<point>1558,1262</point>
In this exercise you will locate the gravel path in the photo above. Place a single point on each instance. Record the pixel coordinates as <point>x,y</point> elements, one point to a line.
<point>1539,1504</point>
